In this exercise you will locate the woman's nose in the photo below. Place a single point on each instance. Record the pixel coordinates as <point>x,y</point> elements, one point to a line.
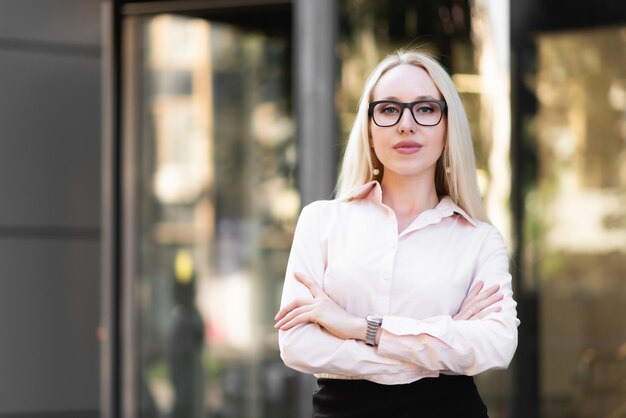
<point>407,123</point>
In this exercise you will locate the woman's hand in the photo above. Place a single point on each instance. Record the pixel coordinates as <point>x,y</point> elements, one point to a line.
<point>321,310</point>
<point>478,305</point>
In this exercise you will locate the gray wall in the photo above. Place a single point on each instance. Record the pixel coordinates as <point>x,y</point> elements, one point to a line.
<point>49,207</point>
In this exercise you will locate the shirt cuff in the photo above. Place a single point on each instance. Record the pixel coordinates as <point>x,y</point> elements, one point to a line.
<point>400,325</point>
<point>404,338</point>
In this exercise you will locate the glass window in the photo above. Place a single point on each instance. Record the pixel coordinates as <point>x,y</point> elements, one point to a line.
<point>576,221</point>
<point>209,116</point>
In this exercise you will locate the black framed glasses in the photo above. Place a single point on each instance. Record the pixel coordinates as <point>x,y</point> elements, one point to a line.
<point>387,113</point>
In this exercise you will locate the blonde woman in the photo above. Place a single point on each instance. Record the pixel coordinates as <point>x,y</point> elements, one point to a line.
<point>398,291</point>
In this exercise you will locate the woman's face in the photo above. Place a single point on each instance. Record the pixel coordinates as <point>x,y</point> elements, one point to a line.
<point>407,148</point>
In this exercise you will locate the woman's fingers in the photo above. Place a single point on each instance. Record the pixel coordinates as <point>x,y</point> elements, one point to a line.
<point>465,314</point>
<point>475,290</point>
<point>304,314</point>
<point>471,300</point>
<point>478,306</point>
<point>482,296</point>
<point>477,301</point>
<point>474,293</point>
<point>291,306</point>
<point>313,287</point>
<point>299,311</point>
<point>490,291</point>
<point>486,312</point>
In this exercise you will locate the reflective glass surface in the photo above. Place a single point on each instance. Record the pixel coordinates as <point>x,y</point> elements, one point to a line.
<point>576,221</point>
<point>209,117</point>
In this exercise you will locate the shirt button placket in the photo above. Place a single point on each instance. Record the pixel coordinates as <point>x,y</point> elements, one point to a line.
<point>387,270</point>
<point>388,273</point>
<point>391,255</point>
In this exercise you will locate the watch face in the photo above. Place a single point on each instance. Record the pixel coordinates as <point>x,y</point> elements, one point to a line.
<point>375,318</point>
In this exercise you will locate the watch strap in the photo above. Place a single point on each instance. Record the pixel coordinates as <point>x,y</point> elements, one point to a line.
<point>373,325</point>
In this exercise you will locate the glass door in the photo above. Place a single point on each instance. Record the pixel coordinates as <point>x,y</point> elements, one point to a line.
<point>210,209</point>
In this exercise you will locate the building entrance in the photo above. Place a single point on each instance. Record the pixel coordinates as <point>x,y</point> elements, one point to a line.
<point>209,211</point>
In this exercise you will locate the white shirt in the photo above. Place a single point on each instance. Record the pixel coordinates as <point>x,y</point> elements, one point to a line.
<point>417,279</point>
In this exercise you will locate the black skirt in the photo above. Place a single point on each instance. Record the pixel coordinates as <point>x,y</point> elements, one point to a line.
<point>433,397</point>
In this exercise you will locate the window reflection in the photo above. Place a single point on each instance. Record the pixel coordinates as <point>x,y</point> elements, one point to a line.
<point>576,223</point>
<point>216,212</point>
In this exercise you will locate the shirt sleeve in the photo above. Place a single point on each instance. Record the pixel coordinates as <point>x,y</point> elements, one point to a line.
<point>462,347</point>
<point>309,348</point>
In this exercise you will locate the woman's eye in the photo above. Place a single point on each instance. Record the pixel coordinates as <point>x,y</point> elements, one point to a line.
<point>390,110</point>
<point>424,109</point>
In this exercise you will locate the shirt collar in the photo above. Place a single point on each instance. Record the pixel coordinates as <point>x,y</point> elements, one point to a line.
<point>365,190</point>
<point>445,207</point>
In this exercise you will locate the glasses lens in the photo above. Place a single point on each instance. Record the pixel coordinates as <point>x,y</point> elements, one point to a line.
<point>386,113</point>
<point>427,113</point>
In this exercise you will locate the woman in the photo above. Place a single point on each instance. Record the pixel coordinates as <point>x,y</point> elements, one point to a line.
<point>398,291</point>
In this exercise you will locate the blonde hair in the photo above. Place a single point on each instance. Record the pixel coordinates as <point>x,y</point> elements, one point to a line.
<point>460,184</point>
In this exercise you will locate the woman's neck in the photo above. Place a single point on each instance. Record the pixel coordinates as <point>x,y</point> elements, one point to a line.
<point>409,195</point>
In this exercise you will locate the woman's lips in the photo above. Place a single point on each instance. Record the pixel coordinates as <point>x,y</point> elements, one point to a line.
<point>407,147</point>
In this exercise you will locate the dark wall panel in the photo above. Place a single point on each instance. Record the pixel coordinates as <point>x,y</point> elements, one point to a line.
<point>49,317</point>
<point>65,21</point>
<point>50,140</point>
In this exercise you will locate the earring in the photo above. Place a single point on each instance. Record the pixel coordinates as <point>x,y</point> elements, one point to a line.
<point>375,172</point>
<point>448,170</point>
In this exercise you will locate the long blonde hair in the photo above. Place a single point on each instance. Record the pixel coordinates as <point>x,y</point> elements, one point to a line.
<point>460,184</point>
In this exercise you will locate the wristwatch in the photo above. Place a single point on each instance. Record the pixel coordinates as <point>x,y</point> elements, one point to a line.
<point>374,321</point>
